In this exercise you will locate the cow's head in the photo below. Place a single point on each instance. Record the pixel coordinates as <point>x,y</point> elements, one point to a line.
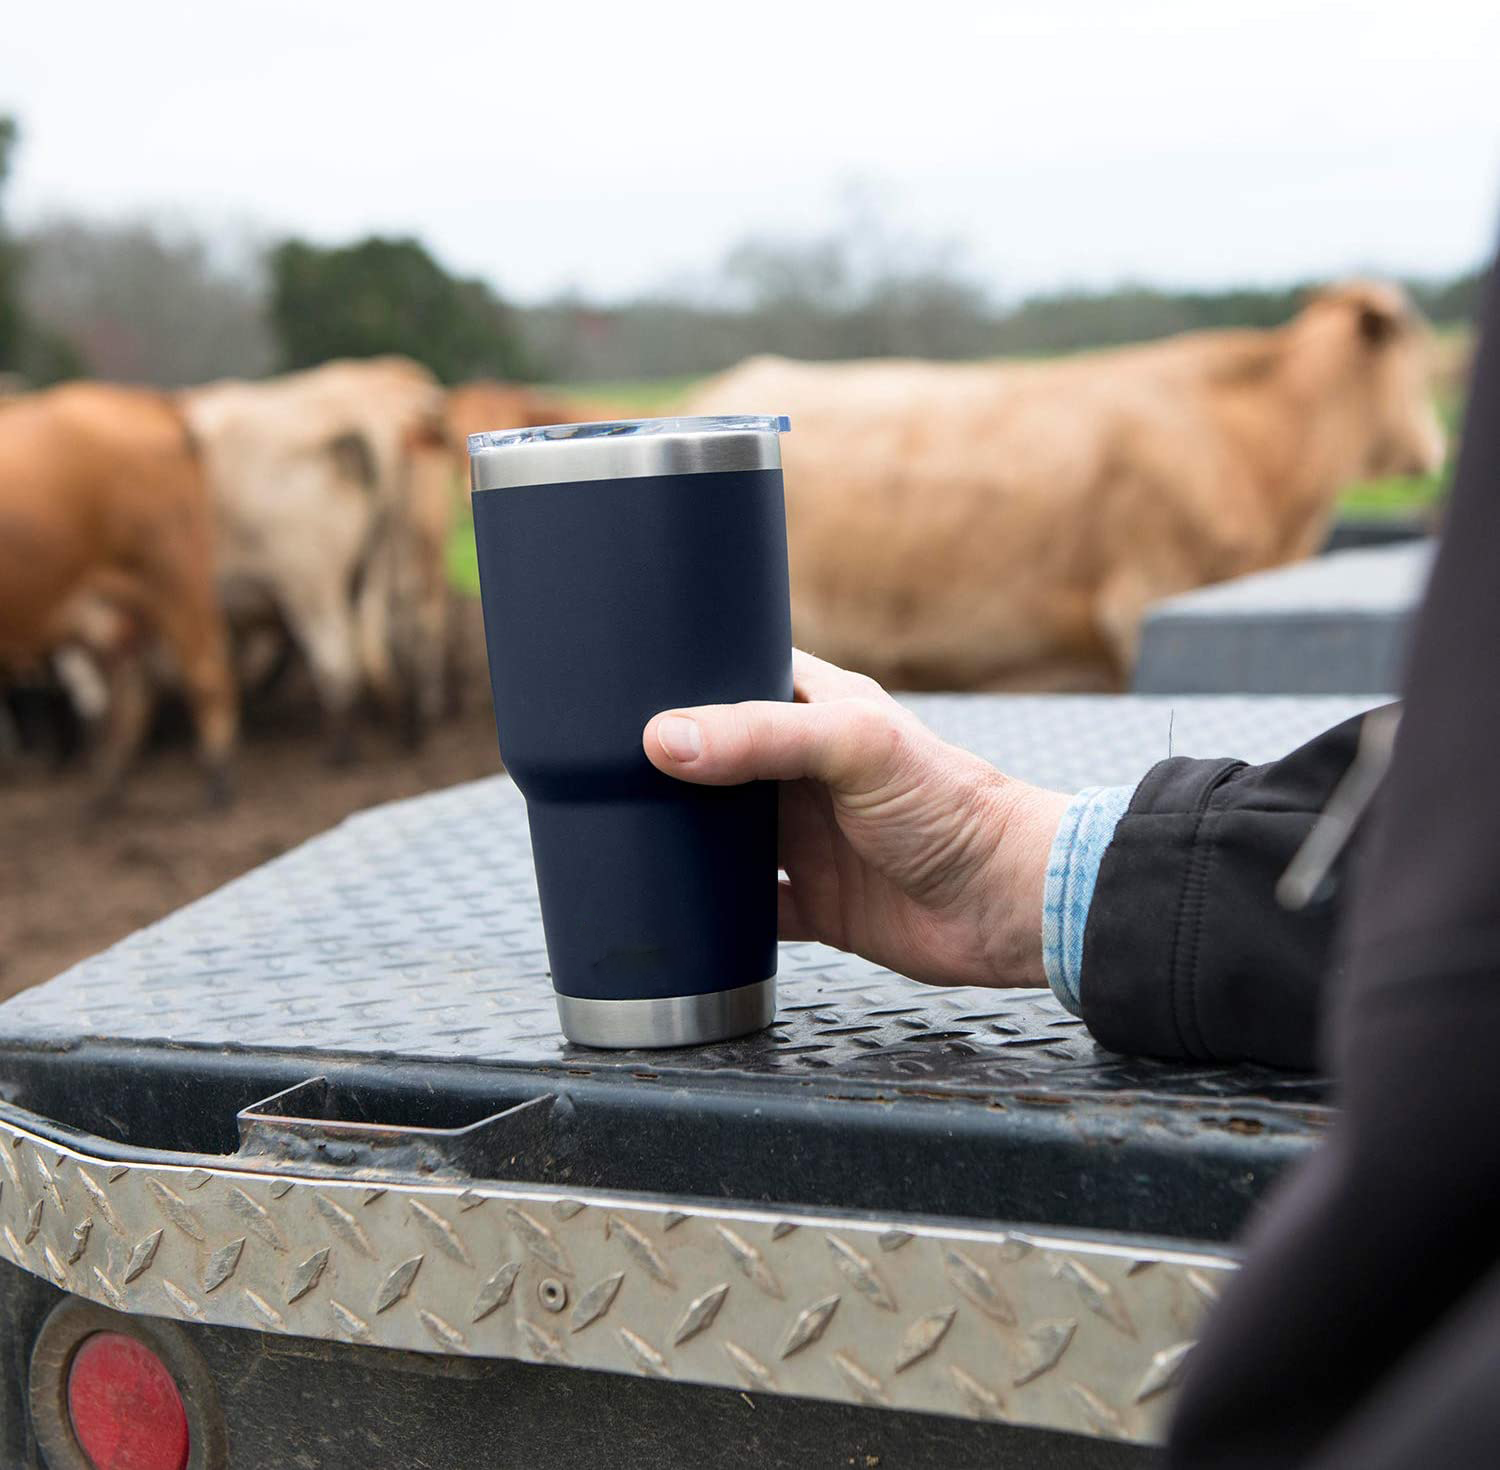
<point>1387,351</point>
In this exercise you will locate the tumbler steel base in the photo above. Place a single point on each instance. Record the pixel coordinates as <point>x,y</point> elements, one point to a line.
<point>672,1020</point>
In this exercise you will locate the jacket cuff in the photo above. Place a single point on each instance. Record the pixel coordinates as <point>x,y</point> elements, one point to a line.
<point>1137,919</point>
<point>1083,835</point>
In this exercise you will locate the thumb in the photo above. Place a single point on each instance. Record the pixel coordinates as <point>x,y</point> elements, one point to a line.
<point>853,745</point>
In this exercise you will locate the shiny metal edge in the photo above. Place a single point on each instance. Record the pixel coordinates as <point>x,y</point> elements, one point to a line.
<point>713,423</point>
<point>674,1020</point>
<point>562,461</point>
<point>1052,1329</point>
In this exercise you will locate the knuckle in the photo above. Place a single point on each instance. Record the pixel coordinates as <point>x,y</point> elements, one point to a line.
<point>868,723</point>
<point>749,735</point>
<point>872,689</point>
<point>871,738</point>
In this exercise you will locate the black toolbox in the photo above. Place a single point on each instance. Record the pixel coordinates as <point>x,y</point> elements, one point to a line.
<point>316,1139</point>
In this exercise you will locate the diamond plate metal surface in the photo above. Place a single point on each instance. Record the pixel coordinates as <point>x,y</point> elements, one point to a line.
<point>1050,1329</point>
<point>412,930</point>
<point>1334,622</point>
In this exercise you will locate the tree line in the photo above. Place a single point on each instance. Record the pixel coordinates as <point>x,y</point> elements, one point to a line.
<point>145,301</point>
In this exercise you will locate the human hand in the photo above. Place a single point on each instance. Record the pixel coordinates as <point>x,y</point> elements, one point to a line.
<point>896,845</point>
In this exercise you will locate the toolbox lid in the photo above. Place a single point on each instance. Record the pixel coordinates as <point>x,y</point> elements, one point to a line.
<point>401,956</point>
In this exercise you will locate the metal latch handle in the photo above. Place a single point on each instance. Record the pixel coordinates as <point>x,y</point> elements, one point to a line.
<point>321,1122</point>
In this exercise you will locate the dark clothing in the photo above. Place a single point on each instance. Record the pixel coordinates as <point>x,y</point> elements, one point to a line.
<point>1185,953</point>
<point>1364,1330</point>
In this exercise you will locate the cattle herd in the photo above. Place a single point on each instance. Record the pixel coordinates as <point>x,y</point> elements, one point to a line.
<point>951,525</point>
<point>185,543</point>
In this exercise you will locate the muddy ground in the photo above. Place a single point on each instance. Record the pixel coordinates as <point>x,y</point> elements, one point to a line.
<point>73,881</point>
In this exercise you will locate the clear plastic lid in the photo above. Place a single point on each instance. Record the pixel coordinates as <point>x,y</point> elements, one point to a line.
<point>746,423</point>
<point>625,449</point>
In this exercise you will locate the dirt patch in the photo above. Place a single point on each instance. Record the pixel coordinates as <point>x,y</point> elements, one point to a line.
<point>72,882</point>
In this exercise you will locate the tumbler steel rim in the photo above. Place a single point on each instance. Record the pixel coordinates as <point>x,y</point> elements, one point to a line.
<point>624,450</point>
<point>671,1020</point>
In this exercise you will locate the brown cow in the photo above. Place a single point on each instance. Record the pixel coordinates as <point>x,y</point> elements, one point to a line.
<point>487,403</point>
<point>1006,525</point>
<point>106,539</point>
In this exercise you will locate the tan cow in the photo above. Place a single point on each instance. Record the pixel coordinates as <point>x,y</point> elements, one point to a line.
<point>998,525</point>
<point>106,544</point>
<point>333,490</point>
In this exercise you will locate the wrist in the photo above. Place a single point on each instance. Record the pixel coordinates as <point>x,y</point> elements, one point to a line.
<point>1014,884</point>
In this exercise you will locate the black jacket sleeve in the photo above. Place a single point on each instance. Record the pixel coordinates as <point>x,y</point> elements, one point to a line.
<point>1186,952</point>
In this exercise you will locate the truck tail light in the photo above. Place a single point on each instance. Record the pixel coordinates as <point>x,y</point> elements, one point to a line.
<point>124,1406</point>
<point>110,1391</point>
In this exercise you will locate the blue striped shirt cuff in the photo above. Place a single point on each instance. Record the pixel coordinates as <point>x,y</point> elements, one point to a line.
<point>1085,831</point>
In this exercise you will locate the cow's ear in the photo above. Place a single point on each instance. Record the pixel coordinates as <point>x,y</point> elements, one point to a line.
<point>1378,322</point>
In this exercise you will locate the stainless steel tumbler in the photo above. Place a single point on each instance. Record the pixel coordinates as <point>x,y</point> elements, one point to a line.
<point>627,568</point>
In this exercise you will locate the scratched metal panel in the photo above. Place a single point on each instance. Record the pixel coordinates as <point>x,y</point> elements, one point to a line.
<point>1043,1328</point>
<point>412,930</point>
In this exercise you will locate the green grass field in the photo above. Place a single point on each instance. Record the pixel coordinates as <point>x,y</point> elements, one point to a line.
<point>463,565</point>
<point>1395,497</point>
<point>1405,495</point>
<point>645,396</point>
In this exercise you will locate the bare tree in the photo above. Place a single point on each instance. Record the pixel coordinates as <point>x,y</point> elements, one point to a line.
<point>859,289</point>
<point>12,320</point>
<point>142,302</point>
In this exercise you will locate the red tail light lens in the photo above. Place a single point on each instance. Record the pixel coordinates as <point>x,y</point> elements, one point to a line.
<point>125,1409</point>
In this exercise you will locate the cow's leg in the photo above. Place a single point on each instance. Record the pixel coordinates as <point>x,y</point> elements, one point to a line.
<point>101,670</point>
<point>322,622</point>
<point>430,696</point>
<point>262,656</point>
<point>373,601</point>
<point>1118,613</point>
<point>185,612</point>
<point>83,681</point>
<point>379,622</point>
<point>403,631</point>
<point>126,717</point>
<point>423,667</point>
<point>81,705</point>
<point>10,734</point>
<point>457,663</point>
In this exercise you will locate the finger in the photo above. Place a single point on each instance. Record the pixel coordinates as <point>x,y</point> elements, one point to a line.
<point>790,925</point>
<point>817,681</point>
<point>853,745</point>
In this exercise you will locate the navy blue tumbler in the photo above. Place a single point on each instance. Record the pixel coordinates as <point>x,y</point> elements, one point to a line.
<point>627,568</point>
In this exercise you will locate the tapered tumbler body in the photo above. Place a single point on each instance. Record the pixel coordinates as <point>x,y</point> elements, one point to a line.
<point>606,600</point>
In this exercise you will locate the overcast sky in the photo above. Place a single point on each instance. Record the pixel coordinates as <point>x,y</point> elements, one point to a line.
<point>611,147</point>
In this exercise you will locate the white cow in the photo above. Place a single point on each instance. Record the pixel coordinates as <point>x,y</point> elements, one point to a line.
<point>333,493</point>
